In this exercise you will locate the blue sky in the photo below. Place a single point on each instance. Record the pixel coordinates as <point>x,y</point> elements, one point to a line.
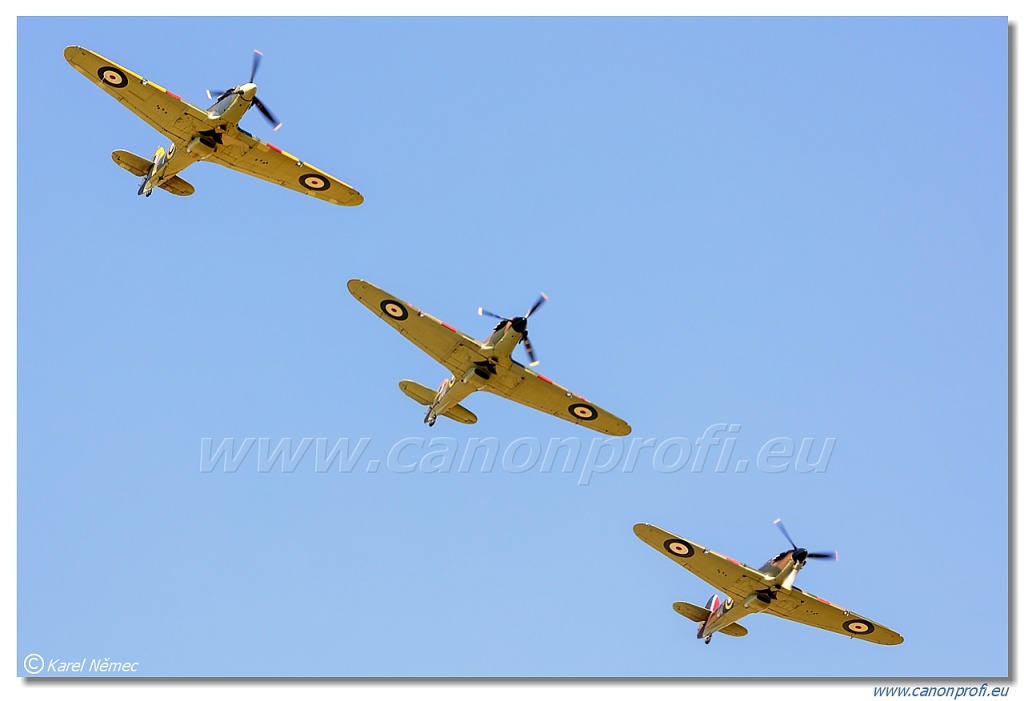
<point>795,229</point>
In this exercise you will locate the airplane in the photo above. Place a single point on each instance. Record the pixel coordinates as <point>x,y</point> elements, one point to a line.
<point>481,366</point>
<point>768,589</point>
<point>203,135</point>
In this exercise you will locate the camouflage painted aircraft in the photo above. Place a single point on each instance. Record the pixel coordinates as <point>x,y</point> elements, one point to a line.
<point>203,135</point>
<point>481,366</point>
<point>768,589</point>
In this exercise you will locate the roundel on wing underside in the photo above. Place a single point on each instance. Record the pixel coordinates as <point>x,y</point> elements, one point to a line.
<point>678,547</point>
<point>394,309</point>
<point>112,76</point>
<point>858,626</point>
<point>312,181</point>
<point>584,412</point>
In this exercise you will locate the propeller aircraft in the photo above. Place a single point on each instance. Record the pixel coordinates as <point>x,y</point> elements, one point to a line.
<point>476,365</point>
<point>203,135</point>
<point>768,589</point>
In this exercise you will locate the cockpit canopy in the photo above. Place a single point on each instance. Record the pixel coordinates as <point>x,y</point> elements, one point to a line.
<point>222,104</point>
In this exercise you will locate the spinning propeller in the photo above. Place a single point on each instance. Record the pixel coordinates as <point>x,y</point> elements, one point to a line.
<point>519,324</point>
<point>800,554</point>
<point>257,56</point>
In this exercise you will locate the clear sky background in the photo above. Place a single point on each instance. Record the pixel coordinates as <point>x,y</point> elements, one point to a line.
<point>793,228</point>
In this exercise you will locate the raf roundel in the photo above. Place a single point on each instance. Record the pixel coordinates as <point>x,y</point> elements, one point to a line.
<point>312,181</point>
<point>678,547</point>
<point>858,626</point>
<point>394,309</point>
<point>114,77</point>
<point>584,412</point>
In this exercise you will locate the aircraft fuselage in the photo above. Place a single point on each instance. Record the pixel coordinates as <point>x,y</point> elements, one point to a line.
<point>499,346</point>
<point>223,115</point>
<point>782,569</point>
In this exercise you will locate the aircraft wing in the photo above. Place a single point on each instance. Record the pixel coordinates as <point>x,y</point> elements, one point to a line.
<point>164,111</point>
<point>243,152</point>
<point>538,392</point>
<point>806,608</point>
<point>453,349</point>
<point>721,572</point>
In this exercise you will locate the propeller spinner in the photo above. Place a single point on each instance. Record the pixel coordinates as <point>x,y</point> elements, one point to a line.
<point>519,325</point>
<point>801,554</point>
<point>257,56</point>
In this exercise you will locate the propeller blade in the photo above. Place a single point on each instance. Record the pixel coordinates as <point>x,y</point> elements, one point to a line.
<point>266,113</point>
<point>256,56</point>
<point>519,325</point>
<point>529,351</point>
<point>219,93</point>
<point>778,522</point>
<point>824,555</point>
<point>483,312</point>
<point>800,552</point>
<point>540,300</point>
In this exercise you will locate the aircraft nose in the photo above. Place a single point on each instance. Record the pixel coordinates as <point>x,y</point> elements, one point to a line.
<point>248,91</point>
<point>519,324</point>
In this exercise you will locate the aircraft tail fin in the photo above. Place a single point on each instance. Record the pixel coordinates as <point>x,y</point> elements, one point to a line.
<point>425,396</point>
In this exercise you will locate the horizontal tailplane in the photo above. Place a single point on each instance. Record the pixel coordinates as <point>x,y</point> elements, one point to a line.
<point>425,396</point>
<point>415,390</point>
<point>177,186</point>
<point>137,165</point>
<point>735,630</point>
<point>699,614</point>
